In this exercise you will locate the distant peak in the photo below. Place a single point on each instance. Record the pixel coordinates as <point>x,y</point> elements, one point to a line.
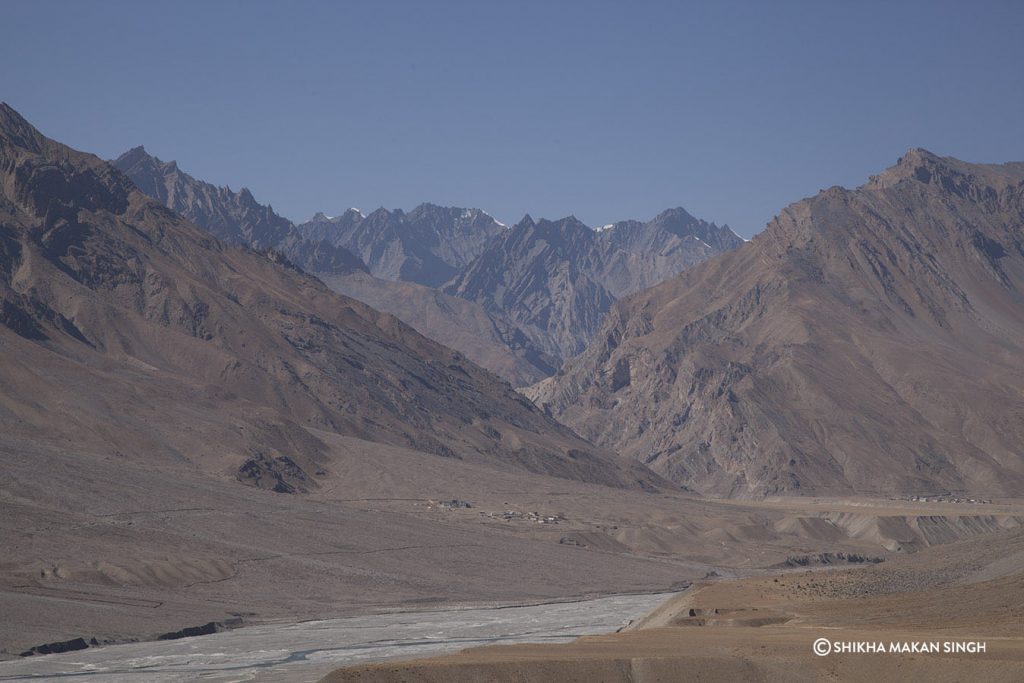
<point>134,155</point>
<point>379,213</point>
<point>138,156</point>
<point>571,220</point>
<point>527,221</point>
<point>676,213</point>
<point>917,155</point>
<point>916,164</point>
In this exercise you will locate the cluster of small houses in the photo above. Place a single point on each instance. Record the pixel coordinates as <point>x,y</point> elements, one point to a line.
<point>949,499</point>
<point>507,515</point>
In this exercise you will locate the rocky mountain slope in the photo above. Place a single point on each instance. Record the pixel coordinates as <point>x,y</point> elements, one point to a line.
<point>131,332</point>
<point>233,217</point>
<point>488,338</point>
<point>557,279</point>
<point>868,340</point>
<point>429,245</point>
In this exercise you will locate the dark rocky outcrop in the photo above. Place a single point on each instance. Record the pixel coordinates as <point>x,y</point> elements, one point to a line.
<point>206,629</point>
<point>55,648</point>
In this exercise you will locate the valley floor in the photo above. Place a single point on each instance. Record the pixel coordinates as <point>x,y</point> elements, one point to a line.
<point>89,553</point>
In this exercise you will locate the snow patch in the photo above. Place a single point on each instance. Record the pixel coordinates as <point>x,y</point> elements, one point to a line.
<point>735,234</point>
<point>496,221</point>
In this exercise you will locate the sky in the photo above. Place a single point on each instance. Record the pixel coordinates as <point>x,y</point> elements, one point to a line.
<point>603,110</point>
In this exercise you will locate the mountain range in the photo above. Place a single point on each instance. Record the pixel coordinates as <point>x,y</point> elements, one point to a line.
<point>557,279</point>
<point>868,341</point>
<point>517,301</point>
<point>428,246</point>
<point>865,342</point>
<point>201,430</point>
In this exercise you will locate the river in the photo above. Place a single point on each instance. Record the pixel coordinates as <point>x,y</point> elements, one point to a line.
<point>305,651</point>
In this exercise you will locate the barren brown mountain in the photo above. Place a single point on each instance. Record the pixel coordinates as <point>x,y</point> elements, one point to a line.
<point>116,310</point>
<point>869,340</point>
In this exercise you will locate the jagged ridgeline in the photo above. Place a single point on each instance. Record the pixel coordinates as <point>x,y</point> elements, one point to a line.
<point>517,301</point>
<point>557,279</point>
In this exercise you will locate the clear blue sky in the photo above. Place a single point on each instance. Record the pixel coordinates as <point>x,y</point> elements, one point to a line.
<point>605,110</point>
